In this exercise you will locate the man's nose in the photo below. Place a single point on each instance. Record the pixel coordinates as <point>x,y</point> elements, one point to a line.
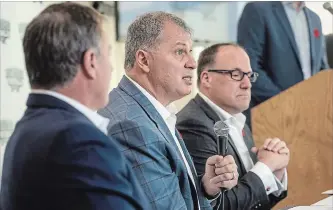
<point>191,63</point>
<point>246,83</point>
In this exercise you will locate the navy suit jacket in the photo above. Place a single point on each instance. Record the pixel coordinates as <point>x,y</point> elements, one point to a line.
<point>149,146</point>
<point>265,33</point>
<point>57,159</point>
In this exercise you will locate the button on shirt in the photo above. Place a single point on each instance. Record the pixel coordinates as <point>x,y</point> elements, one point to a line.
<point>236,124</point>
<point>169,117</point>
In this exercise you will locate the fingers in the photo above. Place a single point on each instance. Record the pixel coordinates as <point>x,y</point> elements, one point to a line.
<point>284,150</point>
<point>224,178</point>
<point>226,169</point>
<point>278,146</point>
<point>228,184</point>
<point>229,159</point>
<point>270,143</point>
<point>254,149</point>
<point>213,160</point>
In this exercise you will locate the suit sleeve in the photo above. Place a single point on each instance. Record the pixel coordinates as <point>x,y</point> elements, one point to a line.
<point>145,149</point>
<point>201,144</point>
<point>324,61</point>
<point>251,35</point>
<point>91,166</point>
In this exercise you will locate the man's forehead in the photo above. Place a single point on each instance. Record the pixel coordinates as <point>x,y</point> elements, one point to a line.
<point>177,35</point>
<point>232,57</point>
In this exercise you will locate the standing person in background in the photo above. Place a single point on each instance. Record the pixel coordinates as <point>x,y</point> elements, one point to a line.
<point>329,49</point>
<point>58,156</point>
<point>285,44</point>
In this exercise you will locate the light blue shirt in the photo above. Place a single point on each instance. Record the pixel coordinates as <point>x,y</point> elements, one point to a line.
<point>299,25</point>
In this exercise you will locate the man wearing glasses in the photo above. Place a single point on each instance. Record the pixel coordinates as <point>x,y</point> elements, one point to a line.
<point>224,82</point>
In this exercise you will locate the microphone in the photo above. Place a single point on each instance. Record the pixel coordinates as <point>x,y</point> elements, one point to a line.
<point>221,130</point>
<point>328,7</point>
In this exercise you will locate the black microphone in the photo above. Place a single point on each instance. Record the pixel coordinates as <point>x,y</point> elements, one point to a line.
<point>328,7</point>
<point>221,130</point>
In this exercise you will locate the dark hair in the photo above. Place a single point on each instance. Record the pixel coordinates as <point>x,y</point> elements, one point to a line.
<point>55,41</point>
<point>144,32</point>
<point>207,57</point>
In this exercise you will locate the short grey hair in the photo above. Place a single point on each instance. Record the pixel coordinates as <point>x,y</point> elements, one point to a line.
<point>144,33</point>
<point>55,41</point>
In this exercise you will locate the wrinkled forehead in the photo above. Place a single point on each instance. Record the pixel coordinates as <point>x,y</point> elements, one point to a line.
<point>232,57</point>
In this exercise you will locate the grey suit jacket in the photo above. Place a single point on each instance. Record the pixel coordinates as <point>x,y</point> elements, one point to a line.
<point>195,123</point>
<point>147,143</point>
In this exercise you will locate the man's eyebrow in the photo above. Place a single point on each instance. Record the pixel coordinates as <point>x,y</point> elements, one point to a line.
<point>180,43</point>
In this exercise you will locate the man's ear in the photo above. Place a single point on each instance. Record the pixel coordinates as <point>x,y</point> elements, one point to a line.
<point>89,65</point>
<point>205,79</point>
<point>142,58</point>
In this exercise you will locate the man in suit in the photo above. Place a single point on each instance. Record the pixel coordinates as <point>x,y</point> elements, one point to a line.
<point>159,70</point>
<point>57,158</point>
<point>224,81</point>
<point>329,49</point>
<point>285,44</point>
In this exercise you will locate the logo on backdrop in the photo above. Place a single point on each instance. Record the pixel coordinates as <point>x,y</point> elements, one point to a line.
<point>14,78</point>
<point>4,30</point>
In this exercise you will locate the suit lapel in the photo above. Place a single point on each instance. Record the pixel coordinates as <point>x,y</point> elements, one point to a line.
<point>187,155</point>
<point>311,38</point>
<point>190,163</point>
<point>211,114</point>
<point>127,86</point>
<point>281,15</point>
<point>249,143</point>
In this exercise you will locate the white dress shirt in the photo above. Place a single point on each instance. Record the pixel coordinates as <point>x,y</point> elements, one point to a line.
<point>99,121</point>
<point>300,28</point>
<point>170,118</point>
<point>236,124</point>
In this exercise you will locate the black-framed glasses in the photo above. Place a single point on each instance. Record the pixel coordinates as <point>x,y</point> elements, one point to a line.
<point>237,74</point>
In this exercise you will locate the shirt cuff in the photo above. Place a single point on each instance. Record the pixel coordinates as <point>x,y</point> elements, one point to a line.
<point>213,199</point>
<point>283,185</point>
<point>266,176</point>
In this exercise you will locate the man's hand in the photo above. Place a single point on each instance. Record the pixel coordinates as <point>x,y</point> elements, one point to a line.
<point>220,172</point>
<point>274,153</point>
<point>276,145</point>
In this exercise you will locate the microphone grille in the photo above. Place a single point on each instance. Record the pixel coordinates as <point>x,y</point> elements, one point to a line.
<point>327,5</point>
<point>221,128</point>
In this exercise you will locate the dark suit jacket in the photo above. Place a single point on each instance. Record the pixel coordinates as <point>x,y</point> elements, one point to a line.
<point>329,49</point>
<point>195,123</point>
<point>57,159</point>
<point>265,33</point>
<point>149,146</point>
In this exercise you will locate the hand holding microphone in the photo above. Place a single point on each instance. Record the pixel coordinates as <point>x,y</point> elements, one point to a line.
<point>220,171</point>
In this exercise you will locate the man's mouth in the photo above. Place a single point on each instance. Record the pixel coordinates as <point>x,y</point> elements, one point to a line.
<point>188,79</point>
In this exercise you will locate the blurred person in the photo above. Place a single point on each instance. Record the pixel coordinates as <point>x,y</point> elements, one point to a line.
<point>329,49</point>
<point>285,44</point>
<point>224,82</point>
<point>57,158</point>
<point>159,70</point>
